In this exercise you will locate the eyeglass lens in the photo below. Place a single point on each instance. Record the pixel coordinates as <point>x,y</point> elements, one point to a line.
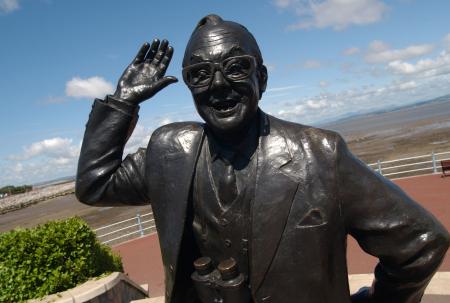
<point>233,69</point>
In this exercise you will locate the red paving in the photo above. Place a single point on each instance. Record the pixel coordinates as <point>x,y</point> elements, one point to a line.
<point>142,262</point>
<point>142,257</point>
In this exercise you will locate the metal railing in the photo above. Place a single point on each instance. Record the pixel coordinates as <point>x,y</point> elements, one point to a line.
<point>137,226</point>
<point>411,166</point>
<point>126,230</point>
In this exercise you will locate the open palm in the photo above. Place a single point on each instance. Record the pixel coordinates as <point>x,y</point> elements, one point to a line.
<point>144,77</point>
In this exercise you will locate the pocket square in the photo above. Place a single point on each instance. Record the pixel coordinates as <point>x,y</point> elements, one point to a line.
<point>313,217</point>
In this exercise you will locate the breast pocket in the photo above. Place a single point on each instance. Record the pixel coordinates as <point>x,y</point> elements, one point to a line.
<point>313,219</point>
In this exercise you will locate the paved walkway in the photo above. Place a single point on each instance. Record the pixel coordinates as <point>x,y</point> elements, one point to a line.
<point>436,292</point>
<point>142,257</point>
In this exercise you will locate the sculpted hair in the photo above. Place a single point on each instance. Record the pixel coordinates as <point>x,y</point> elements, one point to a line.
<point>210,20</point>
<point>228,29</point>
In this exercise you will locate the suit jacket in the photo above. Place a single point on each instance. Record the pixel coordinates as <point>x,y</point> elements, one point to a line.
<point>310,193</point>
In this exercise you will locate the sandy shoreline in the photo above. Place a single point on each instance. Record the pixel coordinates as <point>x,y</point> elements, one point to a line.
<point>19,201</point>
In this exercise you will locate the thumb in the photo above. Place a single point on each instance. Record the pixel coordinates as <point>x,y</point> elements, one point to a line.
<point>154,88</point>
<point>162,83</point>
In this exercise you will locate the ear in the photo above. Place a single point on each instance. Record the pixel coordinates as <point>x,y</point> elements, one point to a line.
<point>262,78</point>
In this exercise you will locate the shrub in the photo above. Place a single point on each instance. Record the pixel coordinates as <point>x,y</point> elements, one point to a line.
<point>51,258</point>
<point>13,190</point>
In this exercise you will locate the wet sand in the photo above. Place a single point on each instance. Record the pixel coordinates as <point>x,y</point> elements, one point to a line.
<point>65,207</point>
<point>409,132</point>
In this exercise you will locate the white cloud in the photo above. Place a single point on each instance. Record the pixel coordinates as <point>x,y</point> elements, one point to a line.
<point>53,148</point>
<point>447,38</point>
<point>8,6</point>
<point>312,64</point>
<point>337,14</point>
<point>407,85</point>
<point>293,111</point>
<point>165,121</point>
<point>41,161</point>
<point>317,104</point>
<point>141,134</point>
<point>351,51</point>
<point>380,52</point>
<point>270,67</point>
<point>139,138</point>
<point>31,172</point>
<point>447,41</point>
<point>333,106</point>
<point>56,157</point>
<point>283,88</point>
<point>283,3</point>
<point>93,87</point>
<point>323,84</point>
<point>423,68</point>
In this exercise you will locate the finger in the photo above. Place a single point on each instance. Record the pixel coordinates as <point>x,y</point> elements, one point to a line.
<point>161,52</point>
<point>166,59</point>
<point>153,49</point>
<point>141,53</point>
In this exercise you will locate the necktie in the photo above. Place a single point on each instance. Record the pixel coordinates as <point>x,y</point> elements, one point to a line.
<point>227,188</point>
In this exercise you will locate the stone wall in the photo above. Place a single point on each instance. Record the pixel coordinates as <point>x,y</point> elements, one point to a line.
<point>115,288</point>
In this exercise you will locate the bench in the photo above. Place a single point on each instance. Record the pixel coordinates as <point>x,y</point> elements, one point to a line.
<point>445,164</point>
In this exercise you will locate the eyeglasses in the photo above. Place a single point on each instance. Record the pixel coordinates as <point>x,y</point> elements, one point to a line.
<point>233,69</point>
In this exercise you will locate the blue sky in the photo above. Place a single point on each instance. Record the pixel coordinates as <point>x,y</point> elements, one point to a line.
<point>326,59</point>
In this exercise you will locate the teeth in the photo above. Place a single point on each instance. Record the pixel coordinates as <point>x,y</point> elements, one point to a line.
<point>224,106</point>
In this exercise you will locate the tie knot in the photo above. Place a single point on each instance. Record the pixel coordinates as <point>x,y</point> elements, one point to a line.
<point>227,157</point>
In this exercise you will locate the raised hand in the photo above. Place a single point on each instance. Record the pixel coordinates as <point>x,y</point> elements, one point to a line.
<point>144,77</point>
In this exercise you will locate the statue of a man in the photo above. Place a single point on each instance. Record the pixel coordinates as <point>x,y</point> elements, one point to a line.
<point>279,198</point>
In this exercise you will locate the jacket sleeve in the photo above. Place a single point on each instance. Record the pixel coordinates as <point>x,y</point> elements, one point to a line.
<point>408,241</point>
<point>102,177</point>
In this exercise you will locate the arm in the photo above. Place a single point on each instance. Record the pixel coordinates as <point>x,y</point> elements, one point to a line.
<point>409,242</point>
<point>102,177</point>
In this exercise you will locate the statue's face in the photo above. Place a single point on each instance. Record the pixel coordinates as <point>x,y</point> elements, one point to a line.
<point>226,92</point>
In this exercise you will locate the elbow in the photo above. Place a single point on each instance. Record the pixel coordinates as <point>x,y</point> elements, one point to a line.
<point>81,195</point>
<point>440,245</point>
<point>84,195</point>
<point>444,241</point>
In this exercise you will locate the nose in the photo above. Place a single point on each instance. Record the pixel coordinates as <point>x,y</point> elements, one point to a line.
<point>219,80</point>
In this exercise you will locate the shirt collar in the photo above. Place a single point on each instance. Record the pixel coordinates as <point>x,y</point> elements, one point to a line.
<point>229,153</point>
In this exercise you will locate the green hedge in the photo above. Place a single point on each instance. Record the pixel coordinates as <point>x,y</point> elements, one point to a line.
<point>13,190</point>
<point>51,258</point>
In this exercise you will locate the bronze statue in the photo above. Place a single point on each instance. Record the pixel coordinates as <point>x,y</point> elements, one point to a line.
<point>269,203</point>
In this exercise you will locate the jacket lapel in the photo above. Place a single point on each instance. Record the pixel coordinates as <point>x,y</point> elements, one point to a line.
<point>276,186</point>
<point>173,165</point>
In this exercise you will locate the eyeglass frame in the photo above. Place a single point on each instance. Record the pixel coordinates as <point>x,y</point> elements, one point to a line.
<point>215,66</point>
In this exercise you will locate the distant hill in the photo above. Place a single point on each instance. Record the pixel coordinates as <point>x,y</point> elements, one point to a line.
<point>354,116</point>
<point>54,181</point>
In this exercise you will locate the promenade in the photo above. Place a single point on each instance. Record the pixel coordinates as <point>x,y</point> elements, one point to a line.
<point>142,257</point>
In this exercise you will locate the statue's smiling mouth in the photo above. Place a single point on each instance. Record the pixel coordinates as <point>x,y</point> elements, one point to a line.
<point>225,106</point>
